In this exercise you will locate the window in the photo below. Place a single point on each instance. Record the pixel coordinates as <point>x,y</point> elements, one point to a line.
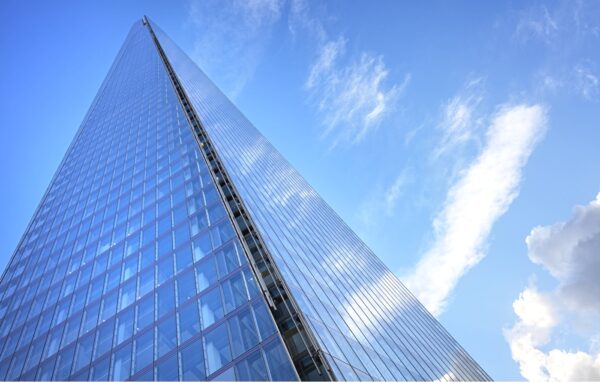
<point>192,362</point>
<point>124,326</point>
<point>183,258</point>
<point>165,270</point>
<point>109,306</point>
<point>168,370</point>
<point>198,222</point>
<point>218,352</point>
<point>227,259</point>
<point>243,332</point>
<point>144,350</point>
<point>83,353</point>
<point>279,363</point>
<point>189,321</point>
<point>211,307</point>
<point>167,336</point>
<point>166,299</point>
<point>186,287</point>
<point>206,273</point>
<point>264,320</point>
<point>100,370</point>
<point>146,282</point>
<point>252,368</point>
<point>234,292</point>
<point>202,246</point>
<point>145,313</point>
<point>130,267</point>
<point>90,317</point>
<point>121,364</point>
<point>104,338</point>
<point>127,292</point>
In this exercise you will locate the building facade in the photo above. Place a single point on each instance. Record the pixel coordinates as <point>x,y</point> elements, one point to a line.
<point>175,243</point>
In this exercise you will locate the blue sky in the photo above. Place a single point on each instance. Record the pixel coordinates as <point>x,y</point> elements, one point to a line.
<point>459,139</point>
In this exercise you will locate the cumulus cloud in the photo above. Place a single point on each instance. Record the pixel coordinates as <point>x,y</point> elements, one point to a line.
<point>569,251</point>
<point>482,193</point>
<point>352,94</point>
<point>230,38</point>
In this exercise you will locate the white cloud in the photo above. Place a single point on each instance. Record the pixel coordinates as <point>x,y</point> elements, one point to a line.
<point>483,192</point>
<point>230,38</point>
<point>586,81</point>
<point>383,202</point>
<point>353,94</point>
<point>570,251</point>
<point>537,22</point>
<point>459,120</point>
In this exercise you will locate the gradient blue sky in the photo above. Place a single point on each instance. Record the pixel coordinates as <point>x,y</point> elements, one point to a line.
<point>442,133</point>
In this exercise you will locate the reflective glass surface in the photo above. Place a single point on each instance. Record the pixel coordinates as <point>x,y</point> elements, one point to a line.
<point>130,269</point>
<point>369,325</point>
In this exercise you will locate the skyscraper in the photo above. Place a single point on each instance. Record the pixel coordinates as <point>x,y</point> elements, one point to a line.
<point>174,242</point>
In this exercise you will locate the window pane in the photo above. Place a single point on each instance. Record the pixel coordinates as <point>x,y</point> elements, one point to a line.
<point>104,338</point>
<point>217,348</point>
<point>206,273</point>
<point>189,321</point>
<point>168,370</point>
<point>227,260</point>
<point>144,350</point>
<point>64,363</point>
<point>279,363</point>
<point>121,364</point>
<point>124,326</point>
<point>243,332</point>
<point>167,336</point>
<point>265,323</point>
<point>146,282</point>
<point>202,246</point>
<point>186,287</point>
<point>192,362</point>
<point>100,370</point>
<point>166,299</point>
<point>234,292</point>
<point>211,307</point>
<point>127,294</point>
<point>165,270</point>
<point>184,257</point>
<point>84,352</point>
<point>144,313</point>
<point>252,368</point>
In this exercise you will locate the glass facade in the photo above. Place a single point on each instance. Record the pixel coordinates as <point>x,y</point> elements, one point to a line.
<point>365,320</point>
<point>133,266</point>
<point>130,267</point>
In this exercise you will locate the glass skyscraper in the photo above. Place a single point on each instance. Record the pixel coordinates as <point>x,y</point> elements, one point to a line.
<point>175,243</point>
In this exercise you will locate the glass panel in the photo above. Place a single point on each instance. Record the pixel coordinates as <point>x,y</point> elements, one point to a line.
<point>144,350</point>
<point>218,351</point>
<point>243,332</point>
<point>211,307</point>
<point>252,368</point>
<point>168,370</point>
<point>189,321</point>
<point>206,273</point>
<point>279,363</point>
<point>167,336</point>
<point>192,362</point>
<point>121,364</point>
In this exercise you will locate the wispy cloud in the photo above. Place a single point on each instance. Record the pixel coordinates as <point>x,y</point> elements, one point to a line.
<point>384,200</point>
<point>459,117</point>
<point>352,91</point>
<point>483,192</point>
<point>569,251</point>
<point>230,38</point>
<point>353,94</point>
